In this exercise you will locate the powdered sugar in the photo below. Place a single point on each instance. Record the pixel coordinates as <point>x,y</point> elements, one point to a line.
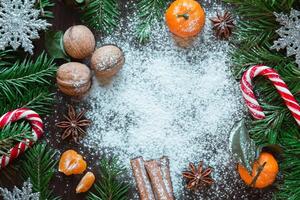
<point>169,101</point>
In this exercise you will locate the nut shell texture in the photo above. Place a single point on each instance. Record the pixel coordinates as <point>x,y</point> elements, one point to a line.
<point>107,61</point>
<point>79,42</point>
<point>73,78</point>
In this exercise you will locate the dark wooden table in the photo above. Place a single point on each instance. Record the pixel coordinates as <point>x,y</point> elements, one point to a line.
<point>64,186</point>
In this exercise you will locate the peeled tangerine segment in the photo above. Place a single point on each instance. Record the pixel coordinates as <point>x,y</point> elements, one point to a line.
<point>71,163</point>
<point>85,183</point>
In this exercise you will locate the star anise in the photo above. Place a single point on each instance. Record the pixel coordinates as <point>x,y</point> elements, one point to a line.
<point>223,25</point>
<point>74,125</point>
<point>198,177</point>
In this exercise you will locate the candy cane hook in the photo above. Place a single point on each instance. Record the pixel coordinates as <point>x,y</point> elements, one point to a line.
<point>37,131</point>
<point>248,94</point>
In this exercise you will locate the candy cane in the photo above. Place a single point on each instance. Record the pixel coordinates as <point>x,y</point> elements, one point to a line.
<point>37,131</point>
<point>251,102</point>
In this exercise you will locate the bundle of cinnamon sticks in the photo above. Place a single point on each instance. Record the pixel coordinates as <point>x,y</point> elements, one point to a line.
<point>153,178</point>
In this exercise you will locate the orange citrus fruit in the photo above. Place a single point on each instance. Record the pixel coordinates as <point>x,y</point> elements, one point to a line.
<point>264,171</point>
<point>85,183</point>
<point>71,163</point>
<point>185,18</point>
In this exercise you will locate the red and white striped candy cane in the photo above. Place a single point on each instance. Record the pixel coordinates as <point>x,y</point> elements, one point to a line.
<point>37,131</point>
<point>251,102</point>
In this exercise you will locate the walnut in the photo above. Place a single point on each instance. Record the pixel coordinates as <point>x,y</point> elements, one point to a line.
<point>107,61</point>
<point>73,78</point>
<point>79,42</point>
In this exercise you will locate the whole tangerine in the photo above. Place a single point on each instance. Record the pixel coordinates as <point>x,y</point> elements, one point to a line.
<point>264,171</point>
<point>185,18</point>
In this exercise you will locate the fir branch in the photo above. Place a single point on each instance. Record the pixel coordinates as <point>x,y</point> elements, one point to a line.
<point>246,56</point>
<point>40,100</point>
<point>10,135</point>
<point>255,33</point>
<point>253,36</point>
<point>260,7</point>
<point>39,165</point>
<point>26,76</point>
<point>109,187</point>
<point>102,15</point>
<point>269,94</point>
<point>291,75</point>
<point>291,166</point>
<point>7,58</point>
<point>44,6</point>
<point>268,129</point>
<point>149,11</point>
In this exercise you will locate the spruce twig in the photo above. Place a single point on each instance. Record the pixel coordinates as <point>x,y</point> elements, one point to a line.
<point>44,6</point>
<point>40,100</point>
<point>109,187</point>
<point>253,37</point>
<point>101,15</point>
<point>267,130</point>
<point>247,56</point>
<point>149,11</point>
<point>7,58</point>
<point>291,166</point>
<point>10,135</point>
<point>25,76</point>
<point>39,165</point>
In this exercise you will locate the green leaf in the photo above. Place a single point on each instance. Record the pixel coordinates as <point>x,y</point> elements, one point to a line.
<point>242,146</point>
<point>54,45</point>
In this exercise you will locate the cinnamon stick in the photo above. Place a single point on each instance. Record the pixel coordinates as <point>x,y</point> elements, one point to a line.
<point>141,178</point>
<point>165,169</point>
<point>153,168</point>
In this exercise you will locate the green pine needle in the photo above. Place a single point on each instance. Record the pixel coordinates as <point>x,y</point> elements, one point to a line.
<point>40,100</point>
<point>109,187</point>
<point>268,129</point>
<point>10,135</point>
<point>247,56</point>
<point>7,58</point>
<point>149,11</point>
<point>44,6</point>
<point>25,76</point>
<point>254,35</point>
<point>39,164</point>
<point>101,15</point>
<point>290,190</point>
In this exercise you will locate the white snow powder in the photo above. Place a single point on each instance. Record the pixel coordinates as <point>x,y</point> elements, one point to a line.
<point>169,101</point>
